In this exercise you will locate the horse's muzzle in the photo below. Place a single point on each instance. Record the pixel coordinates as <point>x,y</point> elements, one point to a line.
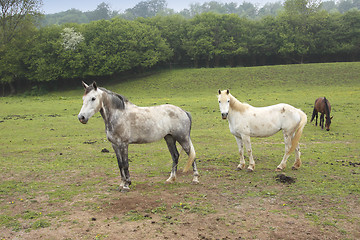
<point>82,119</point>
<point>224,115</point>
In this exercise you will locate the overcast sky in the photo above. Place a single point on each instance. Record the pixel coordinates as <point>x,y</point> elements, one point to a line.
<point>55,6</point>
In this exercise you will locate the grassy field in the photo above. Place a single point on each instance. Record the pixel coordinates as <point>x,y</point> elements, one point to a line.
<point>56,183</point>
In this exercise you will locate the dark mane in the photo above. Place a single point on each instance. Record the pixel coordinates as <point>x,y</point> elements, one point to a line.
<point>117,100</point>
<point>327,111</point>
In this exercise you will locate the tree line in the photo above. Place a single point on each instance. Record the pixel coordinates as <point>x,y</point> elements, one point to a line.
<point>301,33</point>
<point>152,8</point>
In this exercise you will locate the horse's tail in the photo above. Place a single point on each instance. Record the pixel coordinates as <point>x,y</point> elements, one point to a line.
<point>298,132</point>
<point>192,154</point>
<point>314,113</point>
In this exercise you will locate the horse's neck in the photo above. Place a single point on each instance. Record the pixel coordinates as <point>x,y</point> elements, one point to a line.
<point>327,109</point>
<point>107,108</point>
<point>236,105</point>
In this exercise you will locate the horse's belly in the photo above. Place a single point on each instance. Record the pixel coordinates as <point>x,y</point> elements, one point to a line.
<point>255,129</point>
<point>135,136</point>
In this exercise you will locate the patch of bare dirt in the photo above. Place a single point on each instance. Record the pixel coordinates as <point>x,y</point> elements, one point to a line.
<point>214,209</point>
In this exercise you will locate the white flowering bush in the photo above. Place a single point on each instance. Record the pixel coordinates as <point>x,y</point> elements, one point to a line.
<point>71,38</point>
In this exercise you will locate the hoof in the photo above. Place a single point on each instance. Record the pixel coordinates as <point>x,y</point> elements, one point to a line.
<point>171,180</point>
<point>125,189</point>
<point>240,167</point>
<point>278,169</point>
<point>195,182</point>
<point>249,170</point>
<point>294,168</point>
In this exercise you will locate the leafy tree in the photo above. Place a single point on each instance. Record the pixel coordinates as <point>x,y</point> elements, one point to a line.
<point>345,5</point>
<point>16,20</point>
<point>172,29</point>
<point>13,66</point>
<point>71,15</point>
<point>265,40</point>
<point>14,16</point>
<point>57,54</point>
<point>348,35</point>
<point>213,37</point>
<point>102,11</point>
<point>321,28</point>
<point>270,9</point>
<point>43,60</point>
<point>294,29</point>
<point>247,9</point>
<point>146,9</point>
<point>329,6</point>
<point>121,45</point>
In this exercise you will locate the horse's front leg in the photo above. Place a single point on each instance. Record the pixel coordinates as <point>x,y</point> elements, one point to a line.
<point>247,144</point>
<point>241,152</point>
<point>322,121</point>
<point>297,162</point>
<point>121,152</point>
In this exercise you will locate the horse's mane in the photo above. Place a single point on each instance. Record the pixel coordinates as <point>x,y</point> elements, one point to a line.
<point>327,110</point>
<point>117,100</point>
<point>237,105</point>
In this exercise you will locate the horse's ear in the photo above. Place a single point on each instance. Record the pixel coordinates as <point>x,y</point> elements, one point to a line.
<point>227,92</point>
<point>84,84</point>
<point>219,91</point>
<point>94,85</point>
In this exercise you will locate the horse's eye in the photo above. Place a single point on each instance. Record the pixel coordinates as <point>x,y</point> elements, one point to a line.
<point>228,101</point>
<point>219,101</point>
<point>93,99</point>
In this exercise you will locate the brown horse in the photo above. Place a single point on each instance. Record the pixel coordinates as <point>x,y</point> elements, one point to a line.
<point>322,105</point>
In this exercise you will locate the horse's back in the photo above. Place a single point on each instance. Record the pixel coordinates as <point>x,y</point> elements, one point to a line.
<point>320,104</point>
<point>266,121</point>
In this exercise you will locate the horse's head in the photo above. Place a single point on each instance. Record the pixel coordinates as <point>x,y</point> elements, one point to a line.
<point>224,103</point>
<point>327,123</point>
<point>91,102</point>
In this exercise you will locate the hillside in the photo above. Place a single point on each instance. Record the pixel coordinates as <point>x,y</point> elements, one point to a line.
<point>60,178</point>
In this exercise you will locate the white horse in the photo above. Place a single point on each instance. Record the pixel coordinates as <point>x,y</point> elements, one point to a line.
<point>126,123</point>
<point>246,121</point>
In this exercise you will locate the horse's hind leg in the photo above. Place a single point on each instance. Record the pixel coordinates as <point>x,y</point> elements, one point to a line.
<point>297,162</point>
<point>287,140</point>
<point>171,143</point>
<point>241,152</point>
<point>190,151</point>
<point>196,174</point>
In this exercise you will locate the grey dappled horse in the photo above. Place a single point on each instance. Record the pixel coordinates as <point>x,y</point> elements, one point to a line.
<point>126,123</point>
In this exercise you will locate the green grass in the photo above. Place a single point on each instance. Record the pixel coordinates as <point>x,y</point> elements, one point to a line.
<point>45,151</point>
